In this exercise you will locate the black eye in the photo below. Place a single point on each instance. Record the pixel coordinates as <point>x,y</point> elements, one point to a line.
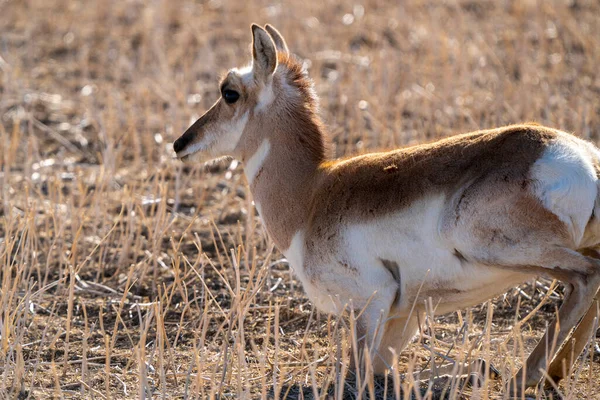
<point>230,96</point>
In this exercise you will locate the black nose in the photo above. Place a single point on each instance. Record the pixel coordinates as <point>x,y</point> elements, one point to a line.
<point>180,143</point>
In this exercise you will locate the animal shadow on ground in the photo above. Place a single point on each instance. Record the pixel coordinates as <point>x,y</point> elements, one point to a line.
<point>440,389</point>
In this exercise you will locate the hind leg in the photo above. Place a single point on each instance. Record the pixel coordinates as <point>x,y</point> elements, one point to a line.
<point>580,337</point>
<point>581,274</point>
<point>533,239</point>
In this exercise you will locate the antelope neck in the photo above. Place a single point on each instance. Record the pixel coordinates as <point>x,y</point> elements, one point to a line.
<point>282,175</point>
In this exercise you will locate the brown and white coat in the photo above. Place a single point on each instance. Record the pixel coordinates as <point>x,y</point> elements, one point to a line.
<point>459,220</point>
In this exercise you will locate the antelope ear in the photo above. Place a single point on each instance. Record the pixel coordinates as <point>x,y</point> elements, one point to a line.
<point>264,54</point>
<point>277,38</point>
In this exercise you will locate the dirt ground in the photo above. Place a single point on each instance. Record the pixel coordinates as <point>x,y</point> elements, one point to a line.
<point>127,274</point>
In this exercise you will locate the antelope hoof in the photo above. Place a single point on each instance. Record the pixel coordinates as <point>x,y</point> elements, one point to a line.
<point>477,371</point>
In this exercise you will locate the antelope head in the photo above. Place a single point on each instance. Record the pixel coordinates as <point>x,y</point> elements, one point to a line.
<point>232,126</point>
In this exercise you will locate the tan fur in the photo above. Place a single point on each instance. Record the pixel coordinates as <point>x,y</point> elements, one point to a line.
<point>466,167</point>
<point>491,216</point>
<point>379,183</point>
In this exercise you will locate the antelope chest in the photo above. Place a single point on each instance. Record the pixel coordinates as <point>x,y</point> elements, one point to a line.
<point>325,300</point>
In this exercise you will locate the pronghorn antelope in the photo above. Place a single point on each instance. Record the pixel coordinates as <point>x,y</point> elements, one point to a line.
<point>460,220</point>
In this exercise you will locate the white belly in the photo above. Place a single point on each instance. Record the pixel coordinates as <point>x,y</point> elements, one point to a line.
<point>427,265</point>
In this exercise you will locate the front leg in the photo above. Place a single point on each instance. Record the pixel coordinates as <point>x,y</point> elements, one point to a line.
<point>397,334</point>
<point>370,327</point>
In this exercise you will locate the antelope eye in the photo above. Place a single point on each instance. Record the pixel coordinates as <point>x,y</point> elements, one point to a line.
<point>230,96</point>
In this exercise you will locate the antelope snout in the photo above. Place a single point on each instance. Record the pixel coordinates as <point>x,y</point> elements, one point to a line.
<point>192,139</point>
<point>180,144</point>
<point>186,145</point>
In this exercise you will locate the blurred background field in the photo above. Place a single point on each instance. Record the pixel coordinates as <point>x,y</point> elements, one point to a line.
<point>128,274</point>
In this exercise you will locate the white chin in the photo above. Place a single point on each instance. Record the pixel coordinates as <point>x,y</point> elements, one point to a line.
<point>217,160</point>
<point>204,158</point>
<point>197,157</point>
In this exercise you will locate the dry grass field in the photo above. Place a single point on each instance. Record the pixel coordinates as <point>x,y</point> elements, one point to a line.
<point>127,274</point>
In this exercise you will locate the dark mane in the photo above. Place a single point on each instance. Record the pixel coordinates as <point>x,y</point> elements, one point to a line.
<point>313,136</point>
<point>297,76</point>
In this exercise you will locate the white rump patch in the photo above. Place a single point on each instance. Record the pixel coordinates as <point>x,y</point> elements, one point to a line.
<point>566,184</point>
<point>255,162</point>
